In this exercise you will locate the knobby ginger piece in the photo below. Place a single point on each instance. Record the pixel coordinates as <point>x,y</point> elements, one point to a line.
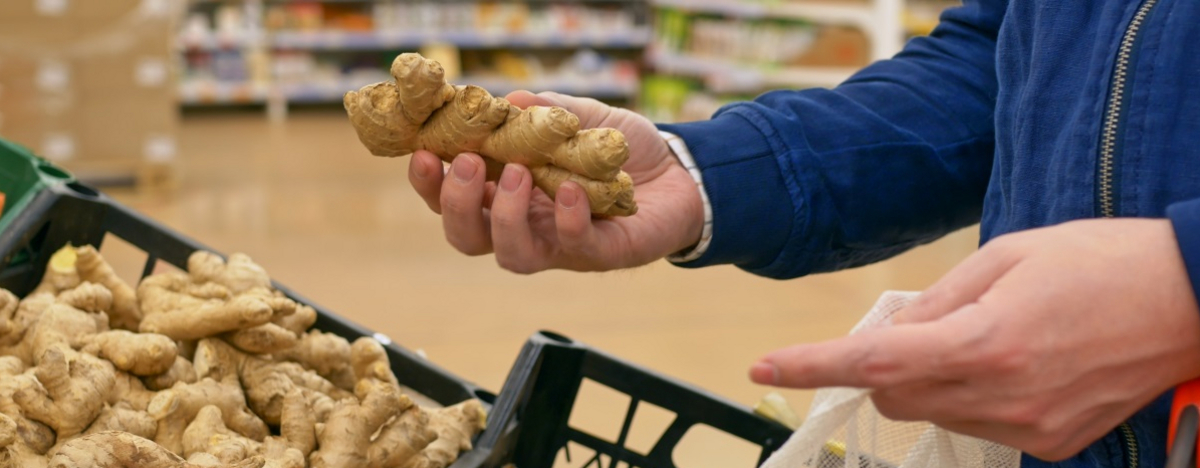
<point>124,313</point>
<point>419,110</point>
<point>125,450</point>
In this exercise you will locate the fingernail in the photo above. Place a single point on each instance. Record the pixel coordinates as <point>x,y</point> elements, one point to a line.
<point>764,373</point>
<point>567,197</point>
<point>464,169</point>
<point>511,178</point>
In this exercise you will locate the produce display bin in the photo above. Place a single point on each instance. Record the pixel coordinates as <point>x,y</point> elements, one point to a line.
<point>541,390</point>
<point>46,208</point>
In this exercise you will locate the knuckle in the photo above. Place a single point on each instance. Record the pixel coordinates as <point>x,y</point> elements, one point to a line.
<point>930,298</point>
<point>454,205</point>
<point>1010,360</point>
<point>1000,355</point>
<point>506,219</point>
<point>1024,415</point>
<point>877,369</point>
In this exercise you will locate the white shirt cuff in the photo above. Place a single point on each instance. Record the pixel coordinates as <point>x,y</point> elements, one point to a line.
<point>679,147</point>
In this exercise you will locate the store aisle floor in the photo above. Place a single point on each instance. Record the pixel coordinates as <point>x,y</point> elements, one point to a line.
<point>345,229</point>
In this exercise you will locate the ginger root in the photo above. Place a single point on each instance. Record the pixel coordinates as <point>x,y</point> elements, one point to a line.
<point>177,407</point>
<point>346,440</point>
<point>68,391</point>
<point>122,417</point>
<point>124,450</point>
<point>14,452</point>
<point>455,425</point>
<point>124,313</point>
<point>325,353</point>
<point>421,111</point>
<point>234,356</point>
<point>60,272</point>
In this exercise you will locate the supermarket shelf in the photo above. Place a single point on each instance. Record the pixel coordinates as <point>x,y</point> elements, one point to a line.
<point>825,13</point>
<point>377,40</point>
<point>214,43</point>
<point>208,93</point>
<point>467,40</point>
<point>222,93</point>
<point>728,76</point>
<point>316,94</point>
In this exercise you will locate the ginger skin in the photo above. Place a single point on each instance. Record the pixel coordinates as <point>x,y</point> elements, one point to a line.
<point>72,390</point>
<point>346,439</point>
<point>124,450</point>
<point>455,426</point>
<point>176,407</point>
<point>325,353</point>
<point>421,111</point>
<point>173,311</point>
<point>122,417</point>
<point>124,313</point>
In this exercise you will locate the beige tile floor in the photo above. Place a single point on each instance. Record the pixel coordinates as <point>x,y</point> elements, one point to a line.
<point>345,229</point>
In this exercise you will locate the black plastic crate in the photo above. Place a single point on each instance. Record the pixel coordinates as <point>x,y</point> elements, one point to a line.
<point>541,390</point>
<point>47,208</point>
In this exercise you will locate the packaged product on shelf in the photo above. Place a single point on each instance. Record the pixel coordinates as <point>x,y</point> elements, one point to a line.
<point>836,46</point>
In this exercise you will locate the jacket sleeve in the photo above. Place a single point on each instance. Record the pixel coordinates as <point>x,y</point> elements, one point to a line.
<point>819,180</point>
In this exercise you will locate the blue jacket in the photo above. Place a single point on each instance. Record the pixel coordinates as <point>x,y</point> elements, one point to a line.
<point>1017,114</point>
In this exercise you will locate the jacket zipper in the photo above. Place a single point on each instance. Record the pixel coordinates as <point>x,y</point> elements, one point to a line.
<point>1118,93</point>
<point>1129,439</point>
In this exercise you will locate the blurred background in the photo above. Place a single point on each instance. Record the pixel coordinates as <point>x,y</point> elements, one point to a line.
<point>223,120</point>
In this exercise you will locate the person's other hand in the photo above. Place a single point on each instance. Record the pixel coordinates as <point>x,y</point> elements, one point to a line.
<point>529,232</point>
<point>1043,340</point>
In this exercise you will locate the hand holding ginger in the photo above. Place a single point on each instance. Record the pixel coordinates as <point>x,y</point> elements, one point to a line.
<point>420,111</point>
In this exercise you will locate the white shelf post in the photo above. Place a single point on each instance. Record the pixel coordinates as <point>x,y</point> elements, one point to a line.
<point>887,32</point>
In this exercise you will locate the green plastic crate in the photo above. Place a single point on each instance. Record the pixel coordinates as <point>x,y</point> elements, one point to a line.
<point>22,176</point>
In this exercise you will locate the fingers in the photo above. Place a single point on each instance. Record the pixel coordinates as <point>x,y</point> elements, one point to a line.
<point>573,221</point>
<point>462,193</point>
<point>931,401</point>
<point>425,173</point>
<point>512,237</point>
<point>964,284</point>
<point>590,111</point>
<point>873,359</point>
<point>525,99</point>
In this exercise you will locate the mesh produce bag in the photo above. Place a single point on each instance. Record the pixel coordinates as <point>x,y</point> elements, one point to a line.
<point>844,430</point>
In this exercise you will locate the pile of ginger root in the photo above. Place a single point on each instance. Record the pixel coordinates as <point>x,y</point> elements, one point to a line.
<point>211,367</point>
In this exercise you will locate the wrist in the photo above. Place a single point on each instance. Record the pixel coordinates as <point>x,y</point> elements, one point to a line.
<point>699,230</point>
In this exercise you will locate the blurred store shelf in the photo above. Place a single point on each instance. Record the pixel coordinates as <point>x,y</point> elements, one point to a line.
<point>209,93</point>
<point>340,40</point>
<point>397,40</point>
<point>857,15</point>
<point>314,51</point>
<point>204,92</point>
<point>728,76</point>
